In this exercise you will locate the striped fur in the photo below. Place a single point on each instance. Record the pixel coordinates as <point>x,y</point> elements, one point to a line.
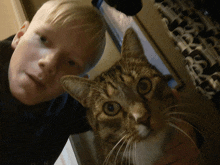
<point>118,87</point>
<point>127,107</point>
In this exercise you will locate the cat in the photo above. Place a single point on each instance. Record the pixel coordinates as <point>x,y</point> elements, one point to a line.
<point>133,112</point>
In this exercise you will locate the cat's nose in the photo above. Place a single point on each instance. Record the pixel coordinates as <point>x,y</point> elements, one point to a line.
<point>144,119</point>
<point>139,113</point>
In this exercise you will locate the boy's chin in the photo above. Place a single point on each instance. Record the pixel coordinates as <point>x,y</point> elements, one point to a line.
<point>29,99</point>
<point>30,102</point>
<point>32,96</point>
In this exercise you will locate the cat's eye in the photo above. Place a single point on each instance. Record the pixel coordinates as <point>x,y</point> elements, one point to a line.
<point>144,86</point>
<point>111,108</point>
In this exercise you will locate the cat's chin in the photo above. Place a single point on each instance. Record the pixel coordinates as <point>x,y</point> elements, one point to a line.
<point>143,131</point>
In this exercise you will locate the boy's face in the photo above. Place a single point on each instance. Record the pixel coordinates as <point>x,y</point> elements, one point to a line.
<point>42,55</point>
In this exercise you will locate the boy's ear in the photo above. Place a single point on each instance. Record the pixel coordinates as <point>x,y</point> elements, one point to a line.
<point>19,34</point>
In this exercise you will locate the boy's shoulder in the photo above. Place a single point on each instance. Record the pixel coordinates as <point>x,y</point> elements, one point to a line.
<point>6,50</point>
<point>6,43</point>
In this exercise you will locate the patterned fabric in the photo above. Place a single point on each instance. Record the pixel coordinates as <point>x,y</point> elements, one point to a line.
<point>197,37</point>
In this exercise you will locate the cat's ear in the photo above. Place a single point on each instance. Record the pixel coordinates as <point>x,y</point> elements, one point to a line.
<point>77,87</point>
<point>131,45</point>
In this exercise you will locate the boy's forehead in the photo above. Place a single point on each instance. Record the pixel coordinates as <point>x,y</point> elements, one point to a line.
<point>49,12</point>
<point>44,11</point>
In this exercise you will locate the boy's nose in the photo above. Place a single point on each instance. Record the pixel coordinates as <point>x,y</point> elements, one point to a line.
<point>48,64</point>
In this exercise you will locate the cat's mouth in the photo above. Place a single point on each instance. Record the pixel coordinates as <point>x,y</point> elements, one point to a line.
<point>142,132</point>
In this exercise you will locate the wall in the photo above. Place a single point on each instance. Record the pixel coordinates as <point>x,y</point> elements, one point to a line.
<point>34,5</point>
<point>8,21</point>
<point>111,54</point>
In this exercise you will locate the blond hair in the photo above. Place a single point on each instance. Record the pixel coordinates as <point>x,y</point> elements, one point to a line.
<point>79,17</point>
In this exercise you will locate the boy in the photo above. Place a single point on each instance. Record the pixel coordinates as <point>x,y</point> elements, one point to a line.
<point>36,116</point>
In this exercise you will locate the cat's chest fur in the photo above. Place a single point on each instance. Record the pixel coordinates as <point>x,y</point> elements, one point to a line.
<point>146,151</point>
<point>149,151</point>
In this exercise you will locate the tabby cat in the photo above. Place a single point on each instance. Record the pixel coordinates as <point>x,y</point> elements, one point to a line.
<point>134,113</point>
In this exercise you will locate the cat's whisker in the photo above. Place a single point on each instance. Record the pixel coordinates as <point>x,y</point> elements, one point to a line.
<point>175,106</point>
<point>110,153</point>
<point>135,153</point>
<point>122,133</point>
<point>183,132</point>
<point>130,151</point>
<point>183,121</point>
<point>185,114</point>
<point>128,144</point>
<point>181,113</point>
<point>190,116</point>
<point>128,154</point>
<point>119,151</point>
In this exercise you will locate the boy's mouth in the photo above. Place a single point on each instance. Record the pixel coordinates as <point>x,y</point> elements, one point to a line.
<point>36,80</point>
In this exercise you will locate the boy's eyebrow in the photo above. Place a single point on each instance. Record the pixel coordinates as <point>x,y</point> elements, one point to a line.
<point>44,30</point>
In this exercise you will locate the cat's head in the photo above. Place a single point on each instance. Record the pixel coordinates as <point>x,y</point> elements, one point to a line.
<point>129,98</point>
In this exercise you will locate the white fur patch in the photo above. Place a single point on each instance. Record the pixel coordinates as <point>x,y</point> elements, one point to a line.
<point>148,151</point>
<point>142,130</point>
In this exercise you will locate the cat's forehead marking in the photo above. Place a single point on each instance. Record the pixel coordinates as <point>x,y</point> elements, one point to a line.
<point>134,74</point>
<point>127,78</point>
<point>136,116</point>
<point>110,89</point>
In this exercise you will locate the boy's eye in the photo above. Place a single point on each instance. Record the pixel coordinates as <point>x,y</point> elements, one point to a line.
<point>71,63</point>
